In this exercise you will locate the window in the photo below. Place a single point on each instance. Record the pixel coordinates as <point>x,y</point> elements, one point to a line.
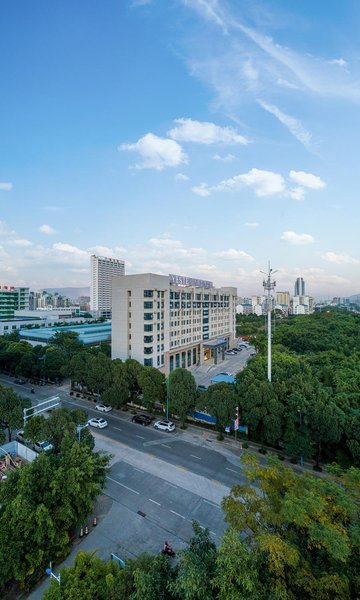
<point>148,304</point>
<point>148,362</point>
<point>148,350</point>
<point>148,293</point>
<point>148,316</point>
<point>148,327</point>
<point>148,339</point>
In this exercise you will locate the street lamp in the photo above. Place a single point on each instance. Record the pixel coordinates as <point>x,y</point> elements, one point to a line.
<point>79,428</point>
<point>49,572</point>
<point>300,425</point>
<point>167,397</point>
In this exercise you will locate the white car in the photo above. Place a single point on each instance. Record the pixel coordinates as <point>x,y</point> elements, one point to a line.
<point>100,423</point>
<point>103,407</point>
<point>43,446</point>
<point>226,374</point>
<point>165,425</point>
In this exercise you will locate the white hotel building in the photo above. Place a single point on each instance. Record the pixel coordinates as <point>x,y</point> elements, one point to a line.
<point>103,269</point>
<point>170,321</point>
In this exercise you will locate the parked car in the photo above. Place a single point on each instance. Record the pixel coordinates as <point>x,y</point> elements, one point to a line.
<point>165,425</point>
<point>98,422</point>
<point>141,419</point>
<point>236,350</point>
<point>243,346</point>
<point>20,437</point>
<point>43,446</point>
<point>230,352</point>
<point>226,374</point>
<point>20,381</point>
<point>103,407</point>
<point>201,388</point>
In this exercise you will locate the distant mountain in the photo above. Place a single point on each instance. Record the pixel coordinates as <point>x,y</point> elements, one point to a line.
<point>70,292</point>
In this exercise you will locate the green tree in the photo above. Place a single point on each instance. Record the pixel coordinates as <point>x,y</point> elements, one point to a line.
<point>88,579</point>
<point>133,370</point>
<point>182,393</point>
<point>326,421</point>
<point>152,385</point>
<point>35,429</point>
<point>237,575</point>
<point>301,530</point>
<point>220,401</point>
<point>196,567</point>
<point>117,395</point>
<point>63,423</point>
<point>11,410</point>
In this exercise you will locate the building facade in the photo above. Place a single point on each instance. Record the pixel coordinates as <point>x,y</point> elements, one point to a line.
<point>168,325</point>
<point>12,299</point>
<point>103,270</point>
<point>299,287</point>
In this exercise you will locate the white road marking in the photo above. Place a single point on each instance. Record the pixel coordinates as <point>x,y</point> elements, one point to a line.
<point>194,456</point>
<point>172,485</point>
<point>123,485</point>
<point>154,501</point>
<point>213,532</point>
<point>166,446</point>
<point>211,503</point>
<point>140,471</point>
<point>118,428</point>
<point>233,470</point>
<point>177,514</point>
<point>140,436</point>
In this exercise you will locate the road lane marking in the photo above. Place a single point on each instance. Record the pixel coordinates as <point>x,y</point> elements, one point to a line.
<point>122,485</point>
<point>194,456</point>
<point>177,514</point>
<point>118,428</point>
<point>140,436</point>
<point>213,532</point>
<point>211,503</point>
<point>233,470</point>
<point>172,485</point>
<point>140,471</point>
<point>166,446</point>
<point>154,501</point>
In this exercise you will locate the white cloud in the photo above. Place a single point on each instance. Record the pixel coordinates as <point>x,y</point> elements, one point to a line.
<point>225,158</point>
<point>202,132</point>
<point>340,62</point>
<point>287,84</point>
<point>298,239</point>
<point>296,193</point>
<point>70,249</point>
<point>6,186</point>
<point>157,152</point>
<point>293,125</point>
<point>47,229</point>
<point>339,259</point>
<point>233,254</point>
<point>264,183</point>
<point>202,190</point>
<point>23,243</point>
<point>181,177</point>
<point>307,180</point>
<point>251,224</point>
<point>102,251</point>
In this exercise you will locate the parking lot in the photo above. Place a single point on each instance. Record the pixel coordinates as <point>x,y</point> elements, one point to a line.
<point>231,364</point>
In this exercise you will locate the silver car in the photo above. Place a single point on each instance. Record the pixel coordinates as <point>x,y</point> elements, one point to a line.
<point>165,425</point>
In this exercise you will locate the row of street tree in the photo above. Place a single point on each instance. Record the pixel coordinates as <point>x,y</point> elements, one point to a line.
<point>290,537</point>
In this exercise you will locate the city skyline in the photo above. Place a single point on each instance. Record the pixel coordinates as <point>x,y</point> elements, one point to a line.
<point>195,137</point>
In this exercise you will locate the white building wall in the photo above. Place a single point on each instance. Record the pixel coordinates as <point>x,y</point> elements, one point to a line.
<point>103,270</point>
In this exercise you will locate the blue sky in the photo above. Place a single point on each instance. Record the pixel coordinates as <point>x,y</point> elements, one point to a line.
<point>198,137</point>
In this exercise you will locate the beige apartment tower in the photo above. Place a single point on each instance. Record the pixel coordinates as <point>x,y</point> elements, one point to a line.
<point>164,323</point>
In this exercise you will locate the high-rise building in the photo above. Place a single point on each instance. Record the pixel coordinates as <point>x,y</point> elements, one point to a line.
<point>283,298</point>
<point>299,287</point>
<point>102,272</point>
<point>169,321</point>
<point>11,299</point>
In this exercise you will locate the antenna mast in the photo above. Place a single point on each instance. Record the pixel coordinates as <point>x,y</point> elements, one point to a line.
<point>269,285</point>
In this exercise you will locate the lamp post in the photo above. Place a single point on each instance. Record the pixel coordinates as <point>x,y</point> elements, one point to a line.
<point>79,428</point>
<point>49,572</point>
<point>167,396</point>
<point>300,425</point>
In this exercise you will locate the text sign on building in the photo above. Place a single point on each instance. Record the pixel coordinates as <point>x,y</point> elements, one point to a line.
<point>189,281</point>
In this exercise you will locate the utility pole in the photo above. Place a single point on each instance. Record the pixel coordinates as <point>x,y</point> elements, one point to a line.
<point>269,285</point>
